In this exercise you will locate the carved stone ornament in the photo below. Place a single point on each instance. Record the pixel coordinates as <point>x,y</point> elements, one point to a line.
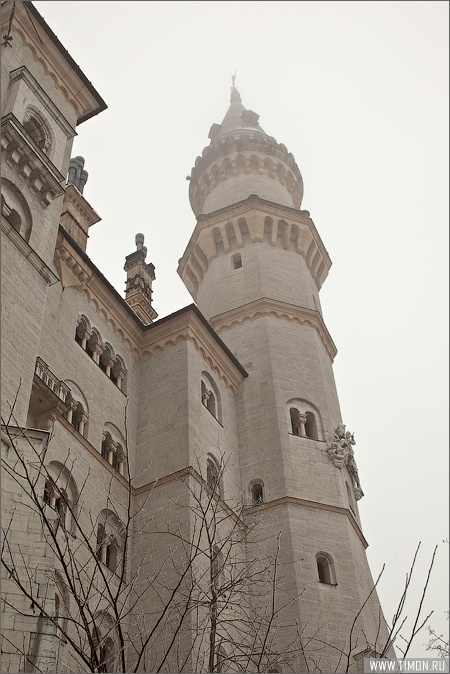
<point>340,453</point>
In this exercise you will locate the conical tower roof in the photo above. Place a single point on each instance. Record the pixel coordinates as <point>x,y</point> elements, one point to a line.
<point>242,160</point>
<point>236,119</point>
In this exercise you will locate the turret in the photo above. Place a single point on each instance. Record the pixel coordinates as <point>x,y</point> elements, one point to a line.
<point>242,160</point>
<point>138,293</point>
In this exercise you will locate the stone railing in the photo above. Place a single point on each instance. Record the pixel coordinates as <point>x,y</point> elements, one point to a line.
<point>44,373</point>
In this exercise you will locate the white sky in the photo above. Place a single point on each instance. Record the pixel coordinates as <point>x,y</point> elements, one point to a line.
<point>358,92</point>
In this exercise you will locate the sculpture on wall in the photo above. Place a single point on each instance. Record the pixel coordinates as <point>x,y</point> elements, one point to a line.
<point>341,454</point>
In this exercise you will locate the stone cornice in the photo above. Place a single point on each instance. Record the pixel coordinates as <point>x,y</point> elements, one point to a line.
<point>310,504</point>
<point>74,197</point>
<point>72,269</point>
<point>30,163</point>
<point>186,325</point>
<point>53,58</point>
<point>212,234</point>
<point>282,310</point>
<point>179,475</point>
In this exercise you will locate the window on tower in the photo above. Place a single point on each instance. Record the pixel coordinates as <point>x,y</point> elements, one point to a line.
<point>304,419</point>
<point>236,261</point>
<point>214,474</point>
<point>311,426</point>
<point>325,569</point>
<point>257,492</point>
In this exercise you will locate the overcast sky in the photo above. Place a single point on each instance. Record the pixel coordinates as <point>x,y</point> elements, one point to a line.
<point>358,92</point>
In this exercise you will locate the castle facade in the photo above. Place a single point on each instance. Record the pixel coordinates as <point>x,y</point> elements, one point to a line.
<point>178,494</point>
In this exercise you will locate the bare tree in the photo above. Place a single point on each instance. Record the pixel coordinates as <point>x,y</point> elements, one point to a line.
<point>89,603</point>
<point>122,590</point>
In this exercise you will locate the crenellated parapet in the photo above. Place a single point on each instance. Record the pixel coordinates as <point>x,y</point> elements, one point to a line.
<point>242,160</point>
<point>253,220</point>
<point>246,153</point>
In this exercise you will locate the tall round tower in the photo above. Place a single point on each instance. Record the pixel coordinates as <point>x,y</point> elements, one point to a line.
<point>255,264</point>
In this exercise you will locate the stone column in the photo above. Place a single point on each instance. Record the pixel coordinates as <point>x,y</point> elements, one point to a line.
<point>302,422</point>
<point>81,424</point>
<point>72,407</point>
<point>97,351</point>
<point>121,462</point>
<point>111,451</point>
<point>84,336</point>
<point>108,365</point>
<point>120,376</point>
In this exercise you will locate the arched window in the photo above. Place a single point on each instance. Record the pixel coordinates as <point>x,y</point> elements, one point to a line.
<point>105,639</point>
<point>210,396</point>
<point>107,359</point>
<point>56,498</point>
<point>236,261</point>
<point>112,447</point>
<point>61,494</point>
<point>15,209</point>
<point>304,419</point>
<point>311,426</point>
<point>214,475</point>
<point>118,374</point>
<point>36,128</point>
<point>107,443</point>
<point>77,416</point>
<point>325,569</point>
<point>295,421</point>
<point>94,346</point>
<point>208,399</point>
<point>83,332</point>
<point>110,542</point>
<point>257,492</point>
<point>78,413</point>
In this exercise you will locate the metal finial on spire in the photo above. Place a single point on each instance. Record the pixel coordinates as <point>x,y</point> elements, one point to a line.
<point>233,77</point>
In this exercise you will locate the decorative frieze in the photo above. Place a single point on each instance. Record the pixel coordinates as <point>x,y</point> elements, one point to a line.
<point>255,219</point>
<point>31,164</point>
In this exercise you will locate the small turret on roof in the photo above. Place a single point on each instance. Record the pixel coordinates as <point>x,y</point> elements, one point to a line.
<point>138,292</point>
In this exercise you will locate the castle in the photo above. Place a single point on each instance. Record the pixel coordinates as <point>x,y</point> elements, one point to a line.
<point>177,494</point>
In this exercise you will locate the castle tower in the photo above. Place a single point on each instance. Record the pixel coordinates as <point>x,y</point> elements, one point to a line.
<point>255,264</point>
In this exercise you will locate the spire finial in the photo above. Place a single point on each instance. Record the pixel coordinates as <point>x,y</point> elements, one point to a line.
<point>234,92</point>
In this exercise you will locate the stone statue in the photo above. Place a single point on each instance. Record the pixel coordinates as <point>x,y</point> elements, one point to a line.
<point>340,453</point>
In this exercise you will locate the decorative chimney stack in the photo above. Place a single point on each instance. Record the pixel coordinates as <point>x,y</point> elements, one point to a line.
<point>77,214</point>
<point>138,292</point>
